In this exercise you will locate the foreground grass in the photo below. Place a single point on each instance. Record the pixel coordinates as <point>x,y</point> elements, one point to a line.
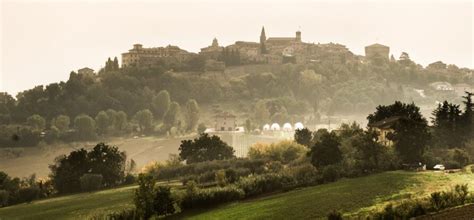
<point>354,197</point>
<point>77,206</point>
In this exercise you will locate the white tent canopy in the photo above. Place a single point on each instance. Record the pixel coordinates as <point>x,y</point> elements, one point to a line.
<point>299,126</point>
<point>275,127</point>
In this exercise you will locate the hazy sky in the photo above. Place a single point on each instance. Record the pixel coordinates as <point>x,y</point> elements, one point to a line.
<point>42,41</point>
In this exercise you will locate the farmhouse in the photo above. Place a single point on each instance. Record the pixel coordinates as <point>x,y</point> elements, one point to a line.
<point>384,128</point>
<point>225,121</point>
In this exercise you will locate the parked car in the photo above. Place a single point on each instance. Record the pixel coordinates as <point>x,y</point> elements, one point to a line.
<point>439,167</point>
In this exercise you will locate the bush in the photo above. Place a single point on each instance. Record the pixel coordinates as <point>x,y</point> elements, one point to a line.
<point>221,178</point>
<point>283,151</point>
<point>305,175</point>
<point>256,185</point>
<point>202,198</point>
<point>4,198</point>
<point>331,173</point>
<point>126,214</point>
<point>163,204</point>
<point>129,179</point>
<point>91,182</point>
<point>334,215</point>
<point>29,194</point>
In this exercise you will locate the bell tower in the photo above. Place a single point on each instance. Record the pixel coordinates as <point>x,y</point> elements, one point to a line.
<point>263,38</point>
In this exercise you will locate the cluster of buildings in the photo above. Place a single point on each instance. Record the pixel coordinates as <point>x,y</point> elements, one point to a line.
<point>273,50</point>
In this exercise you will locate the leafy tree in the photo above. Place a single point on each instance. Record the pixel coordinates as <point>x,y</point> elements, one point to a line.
<point>85,127</point>
<point>107,161</point>
<point>205,148</point>
<point>201,128</point>
<point>448,125</point>
<point>163,203</point>
<point>368,150</point>
<point>249,126</point>
<point>36,122</point>
<point>144,196</point>
<point>67,171</point>
<point>410,134</point>
<point>62,123</point>
<point>326,151</point>
<point>171,116</point>
<point>304,137</point>
<point>191,114</point>
<point>102,121</point>
<point>115,64</point>
<point>161,104</point>
<point>262,115</point>
<point>120,121</point>
<point>144,119</point>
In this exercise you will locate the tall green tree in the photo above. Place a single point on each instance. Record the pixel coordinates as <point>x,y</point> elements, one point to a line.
<point>85,127</point>
<point>205,148</point>
<point>61,122</point>
<point>191,114</point>
<point>36,122</point>
<point>103,122</point>
<point>171,116</point>
<point>121,121</point>
<point>304,137</point>
<point>161,104</point>
<point>326,151</point>
<point>144,118</point>
<point>261,115</point>
<point>410,134</point>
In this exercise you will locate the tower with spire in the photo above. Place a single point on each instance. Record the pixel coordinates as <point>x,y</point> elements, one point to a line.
<point>263,38</point>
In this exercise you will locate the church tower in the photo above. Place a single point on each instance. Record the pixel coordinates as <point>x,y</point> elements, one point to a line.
<point>263,38</point>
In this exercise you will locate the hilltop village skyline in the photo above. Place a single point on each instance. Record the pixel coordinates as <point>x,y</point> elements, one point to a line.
<point>271,50</point>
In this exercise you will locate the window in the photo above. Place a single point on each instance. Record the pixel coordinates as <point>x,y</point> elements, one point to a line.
<point>222,129</point>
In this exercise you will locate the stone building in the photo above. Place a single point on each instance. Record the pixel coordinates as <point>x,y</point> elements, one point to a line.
<point>225,121</point>
<point>213,51</point>
<point>377,50</point>
<point>86,71</point>
<point>139,55</point>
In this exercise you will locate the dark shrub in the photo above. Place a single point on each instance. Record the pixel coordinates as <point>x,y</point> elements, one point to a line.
<point>91,182</point>
<point>163,204</point>
<point>305,175</point>
<point>331,173</point>
<point>334,215</point>
<point>129,179</point>
<point>29,194</point>
<point>202,198</point>
<point>256,185</point>
<point>4,198</point>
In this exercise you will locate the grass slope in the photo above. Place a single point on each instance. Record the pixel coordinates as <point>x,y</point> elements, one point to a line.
<point>77,206</point>
<point>350,196</point>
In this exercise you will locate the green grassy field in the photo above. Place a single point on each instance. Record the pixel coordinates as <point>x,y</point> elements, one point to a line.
<point>351,196</point>
<point>77,206</point>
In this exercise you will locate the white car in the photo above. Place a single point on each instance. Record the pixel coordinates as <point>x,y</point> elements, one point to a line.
<point>439,167</point>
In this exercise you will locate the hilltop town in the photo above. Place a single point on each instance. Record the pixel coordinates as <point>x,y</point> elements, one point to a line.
<point>269,50</point>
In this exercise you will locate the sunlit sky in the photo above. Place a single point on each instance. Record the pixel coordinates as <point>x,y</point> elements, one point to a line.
<point>42,41</point>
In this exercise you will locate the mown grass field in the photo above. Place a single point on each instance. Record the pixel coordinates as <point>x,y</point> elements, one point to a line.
<point>351,196</point>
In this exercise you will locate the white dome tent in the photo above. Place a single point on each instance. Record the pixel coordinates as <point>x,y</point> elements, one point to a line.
<point>299,126</point>
<point>287,127</point>
<point>266,127</point>
<point>275,127</point>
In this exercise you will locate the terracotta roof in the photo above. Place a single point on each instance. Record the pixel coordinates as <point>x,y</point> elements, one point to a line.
<point>376,45</point>
<point>225,115</point>
<point>387,122</point>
